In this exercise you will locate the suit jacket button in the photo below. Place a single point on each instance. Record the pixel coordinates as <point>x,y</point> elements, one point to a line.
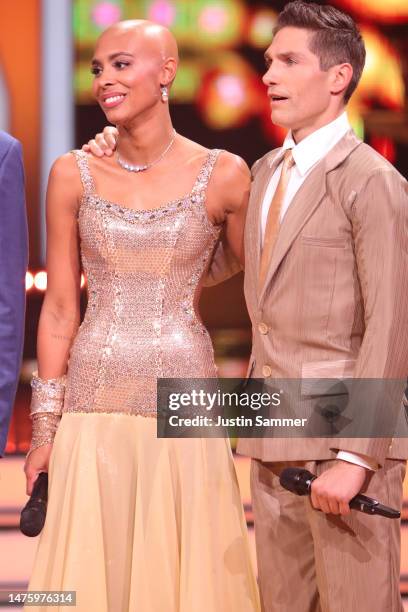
<point>266,371</point>
<point>263,328</point>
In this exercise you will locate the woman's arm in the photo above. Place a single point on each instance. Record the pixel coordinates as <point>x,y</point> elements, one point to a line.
<point>228,195</point>
<point>60,312</point>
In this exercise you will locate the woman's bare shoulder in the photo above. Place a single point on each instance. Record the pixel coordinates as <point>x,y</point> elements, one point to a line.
<point>191,146</point>
<point>231,182</point>
<point>230,166</point>
<point>64,183</point>
<point>65,168</point>
<point>231,172</point>
<point>233,165</point>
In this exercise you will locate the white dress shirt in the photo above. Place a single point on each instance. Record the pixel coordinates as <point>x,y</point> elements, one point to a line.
<point>307,153</point>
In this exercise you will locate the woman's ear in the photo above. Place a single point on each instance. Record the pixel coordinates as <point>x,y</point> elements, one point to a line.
<point>168,71</point>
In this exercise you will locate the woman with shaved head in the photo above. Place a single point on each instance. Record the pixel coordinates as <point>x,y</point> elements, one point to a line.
<point>135,522</point>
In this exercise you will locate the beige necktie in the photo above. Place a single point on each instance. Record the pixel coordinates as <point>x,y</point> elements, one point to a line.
<point>272,222</point>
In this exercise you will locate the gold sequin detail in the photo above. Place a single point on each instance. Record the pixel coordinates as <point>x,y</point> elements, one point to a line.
<point>47,395</point>
<point>45,409</point>
<point>143,268</point>
<point>45,425</point>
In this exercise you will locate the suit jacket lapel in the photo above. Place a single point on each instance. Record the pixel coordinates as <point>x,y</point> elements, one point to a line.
<point>305,202</point>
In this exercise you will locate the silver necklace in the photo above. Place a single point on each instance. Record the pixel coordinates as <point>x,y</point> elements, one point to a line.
<point>132,168</point>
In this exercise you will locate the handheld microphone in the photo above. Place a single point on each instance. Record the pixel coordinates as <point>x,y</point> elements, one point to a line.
<point>299,481</point>
<point>33,514</point>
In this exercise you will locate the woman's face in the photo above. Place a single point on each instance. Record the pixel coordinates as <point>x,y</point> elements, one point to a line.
<point>127,70</point>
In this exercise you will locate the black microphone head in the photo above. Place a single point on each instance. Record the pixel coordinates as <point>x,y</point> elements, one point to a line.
<point>33,514</point>
<point>32,520</point>
<point>297,480</point>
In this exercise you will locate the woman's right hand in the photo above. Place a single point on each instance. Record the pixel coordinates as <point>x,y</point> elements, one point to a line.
<point>37,461</point>
<point>104,143</point>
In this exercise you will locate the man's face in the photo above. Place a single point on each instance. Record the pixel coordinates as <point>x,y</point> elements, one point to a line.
<point>299,91</point>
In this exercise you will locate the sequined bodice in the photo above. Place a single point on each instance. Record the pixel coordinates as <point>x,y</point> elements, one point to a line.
<point>143,268</point>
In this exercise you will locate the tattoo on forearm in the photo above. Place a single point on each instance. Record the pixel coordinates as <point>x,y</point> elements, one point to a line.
<point>60,337</point>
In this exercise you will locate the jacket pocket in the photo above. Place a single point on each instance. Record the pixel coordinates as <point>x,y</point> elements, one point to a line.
<point>318,376</point>
<point>334,243</point>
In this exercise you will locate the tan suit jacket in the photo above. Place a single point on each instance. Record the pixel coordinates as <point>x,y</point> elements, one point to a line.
<point>335,299</point>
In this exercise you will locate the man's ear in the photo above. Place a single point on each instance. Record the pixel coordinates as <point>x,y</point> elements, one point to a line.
<point>341,75</point>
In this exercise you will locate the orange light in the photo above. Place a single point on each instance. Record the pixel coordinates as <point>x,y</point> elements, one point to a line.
<point>382,75</point>
<point>391,11</point>
<point>230,94</point>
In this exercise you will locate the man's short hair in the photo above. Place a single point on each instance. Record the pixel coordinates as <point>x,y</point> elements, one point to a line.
<point>336,37</point>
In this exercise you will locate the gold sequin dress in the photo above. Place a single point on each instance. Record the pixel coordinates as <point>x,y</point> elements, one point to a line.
<point>137,523</point>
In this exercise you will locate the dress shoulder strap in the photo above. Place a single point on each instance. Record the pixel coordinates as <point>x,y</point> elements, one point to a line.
<point>204,175</point>
<point>81,159</point>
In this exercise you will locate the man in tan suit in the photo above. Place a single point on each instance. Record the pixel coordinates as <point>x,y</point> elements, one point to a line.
<point>326,282</point>
<point>326,285</point>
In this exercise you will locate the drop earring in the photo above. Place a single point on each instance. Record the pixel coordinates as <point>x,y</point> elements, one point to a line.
<point>164,93</point>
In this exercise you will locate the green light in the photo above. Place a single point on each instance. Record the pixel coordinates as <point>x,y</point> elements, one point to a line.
<point>187,83</point>
<point>357,123</point>
<point>83,83</point>
<point>86,30</point>
<point>260,31</point>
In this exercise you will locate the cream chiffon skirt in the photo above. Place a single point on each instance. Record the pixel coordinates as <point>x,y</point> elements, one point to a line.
<point>141,524</point>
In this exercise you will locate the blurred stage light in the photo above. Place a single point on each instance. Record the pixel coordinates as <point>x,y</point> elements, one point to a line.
<point>214,19</point>
<point>231,89</point>
<point>355,119</point>
<point>259,33</point>
<point>29,281</point>
<point>230,93</point>
<point>188,81</point>
<point>385,147</point>
<point>163,12</point>
<point>105,14</point>
<point>382,76</point>
<point>218,23</point>
<point>389,11</point>
<point>90,18</point>
<point>83,83</point>
<point>40,281</point>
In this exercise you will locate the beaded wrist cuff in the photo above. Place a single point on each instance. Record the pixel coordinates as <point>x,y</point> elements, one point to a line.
<point>45,410</point>
<point>47,395</point>
<point>45,426</point>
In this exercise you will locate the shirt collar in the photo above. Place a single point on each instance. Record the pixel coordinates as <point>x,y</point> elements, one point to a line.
<point>314,147</point>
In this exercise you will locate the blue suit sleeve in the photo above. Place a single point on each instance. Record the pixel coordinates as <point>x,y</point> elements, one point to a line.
<point>13,265</point>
